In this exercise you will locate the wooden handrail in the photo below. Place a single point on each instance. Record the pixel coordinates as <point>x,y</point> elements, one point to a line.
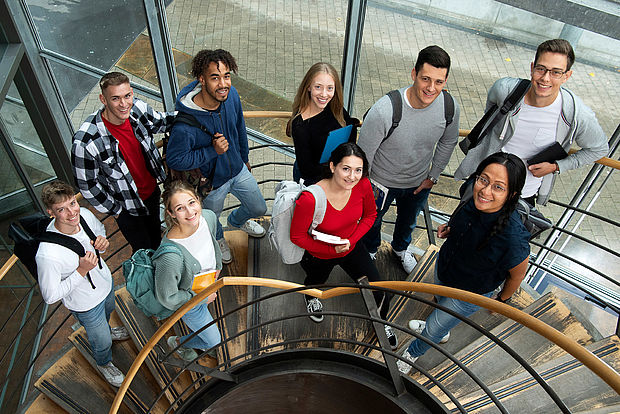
<point>600,368</point>
<point>7,266</point>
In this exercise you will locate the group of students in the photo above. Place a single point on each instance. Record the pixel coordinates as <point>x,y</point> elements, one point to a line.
<point>117,166</point>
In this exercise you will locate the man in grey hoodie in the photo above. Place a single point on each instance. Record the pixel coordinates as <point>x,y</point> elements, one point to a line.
<point>548,113</point>
<point>410,160</point>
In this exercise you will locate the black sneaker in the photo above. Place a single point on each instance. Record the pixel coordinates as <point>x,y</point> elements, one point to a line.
<point>391,336</point>
<point>313,306</point>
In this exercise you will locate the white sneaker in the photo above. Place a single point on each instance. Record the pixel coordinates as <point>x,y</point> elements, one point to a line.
<point>313,306</point>
<point>226,254</point>
<point>407,259</point>
<point>119,333</point>
<point>186,354</point>
<point>405,367</point>
<point>418,326</point>
<point>112,375</point>
<point>253,229</point>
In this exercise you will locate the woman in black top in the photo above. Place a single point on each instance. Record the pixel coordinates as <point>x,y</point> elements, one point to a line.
<point>317,110</point>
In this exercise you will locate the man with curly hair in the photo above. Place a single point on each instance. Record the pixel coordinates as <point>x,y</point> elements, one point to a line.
<point>220,147</point>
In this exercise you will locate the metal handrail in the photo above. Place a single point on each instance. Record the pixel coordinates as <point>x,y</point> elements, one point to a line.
<point>602,370</point>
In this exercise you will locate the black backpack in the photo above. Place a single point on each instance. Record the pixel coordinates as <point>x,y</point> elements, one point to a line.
<point>397,109</point>
<point>28,232</point>
<point>479,131</point>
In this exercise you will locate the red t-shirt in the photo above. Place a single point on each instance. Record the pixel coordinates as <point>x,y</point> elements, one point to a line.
<point>351,223</point>
<point>134,158</point>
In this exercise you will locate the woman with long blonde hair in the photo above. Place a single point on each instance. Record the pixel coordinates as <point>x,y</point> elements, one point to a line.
<point>317,110</point>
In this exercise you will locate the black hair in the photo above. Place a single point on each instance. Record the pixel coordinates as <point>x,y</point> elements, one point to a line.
<point>434,56</point>
<point>203,59</point>
<point>345,150</point>
<point>516,179</point>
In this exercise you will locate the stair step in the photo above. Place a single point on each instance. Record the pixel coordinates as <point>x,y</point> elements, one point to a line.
<point>141,328</point>
<point>578,387</point>
<point>44,405</point>
<point>463,334</point>
<point>76,387</point>
<point>402,308</point>
<point>491,364</point>
<point>143,390</point>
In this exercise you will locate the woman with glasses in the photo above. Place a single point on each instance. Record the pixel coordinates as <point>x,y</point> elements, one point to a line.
<point>317,110</point>
<point>486,246</point>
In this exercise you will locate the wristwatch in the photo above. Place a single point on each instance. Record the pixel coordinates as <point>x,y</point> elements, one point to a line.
<point>433,179</point>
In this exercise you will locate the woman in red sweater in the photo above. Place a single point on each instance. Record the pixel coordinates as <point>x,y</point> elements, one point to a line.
<point>349,215</point>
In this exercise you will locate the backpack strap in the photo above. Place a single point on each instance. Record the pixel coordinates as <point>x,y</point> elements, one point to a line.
<point>70,243</point>
<point>483,126</point>
<point>320,205</point>
<point>167,248</point>
<point>397,111</point>
<point>91,235</point>
<point>448,107</point>
<point>191,120</point>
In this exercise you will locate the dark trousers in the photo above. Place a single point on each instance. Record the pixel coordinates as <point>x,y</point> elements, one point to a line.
<point>142,232</point>
<point>357,264</point>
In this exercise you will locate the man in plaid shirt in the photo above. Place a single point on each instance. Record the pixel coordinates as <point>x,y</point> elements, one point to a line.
<point>116,163</point>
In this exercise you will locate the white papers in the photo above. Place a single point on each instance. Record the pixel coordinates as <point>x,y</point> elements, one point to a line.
<point>328,238</point>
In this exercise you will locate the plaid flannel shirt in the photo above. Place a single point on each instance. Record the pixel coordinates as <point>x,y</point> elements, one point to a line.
<point>100,171</point>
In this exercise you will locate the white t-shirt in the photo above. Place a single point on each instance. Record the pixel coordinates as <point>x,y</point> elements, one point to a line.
<point>58,276</point>
<point>200,246</point>
<point>535,131</point>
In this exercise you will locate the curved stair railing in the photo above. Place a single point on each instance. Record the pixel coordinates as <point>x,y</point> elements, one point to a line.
<point>18,348</point>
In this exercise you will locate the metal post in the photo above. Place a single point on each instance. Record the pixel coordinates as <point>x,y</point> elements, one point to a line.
<point>351,53</point>
<point>157,25</point>
<point>429,224</point>
<point>390,361</point>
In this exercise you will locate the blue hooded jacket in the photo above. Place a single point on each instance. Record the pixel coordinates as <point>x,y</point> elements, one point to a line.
<point>190,148</point>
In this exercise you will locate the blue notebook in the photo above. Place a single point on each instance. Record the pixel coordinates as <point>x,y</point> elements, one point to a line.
<point>335,138</point>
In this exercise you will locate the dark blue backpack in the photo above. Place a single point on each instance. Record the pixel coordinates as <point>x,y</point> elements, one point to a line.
<point>139,272</point>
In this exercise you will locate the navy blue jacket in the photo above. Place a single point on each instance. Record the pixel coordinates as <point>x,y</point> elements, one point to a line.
<point>191,148</point>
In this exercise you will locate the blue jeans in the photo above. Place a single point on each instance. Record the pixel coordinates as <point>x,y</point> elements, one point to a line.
<point>96,323</point>
<point>245,188</point>
<point>196,318</point>
<point>408,206</point>
<point>439,323</point>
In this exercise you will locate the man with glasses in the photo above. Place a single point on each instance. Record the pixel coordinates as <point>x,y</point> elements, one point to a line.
<point>548,113</point>
<point>116,163</point>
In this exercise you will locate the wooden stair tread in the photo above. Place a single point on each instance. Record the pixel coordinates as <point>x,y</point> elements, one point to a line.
<point>143,389</point>
<point>491,364</point>
<point>578,387</point>
<point>44,405</point>
<point>77,387</point>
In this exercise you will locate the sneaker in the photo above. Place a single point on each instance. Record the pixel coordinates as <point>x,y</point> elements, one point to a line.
<point>391,336</point>
<point>313,306</point>
<point>405,367</point>
<point>407,259</point>
<point>112,375</point>
<point>373,256</point>
<point>119,333</point>
<point>186,354</point>
<point>253,229</point>
<point>226,254</point>
<point>418,326</point>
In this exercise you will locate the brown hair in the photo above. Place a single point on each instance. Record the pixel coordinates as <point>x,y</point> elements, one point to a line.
<point>171,189</point>
<point>557,46</point>
<point>56,192</point>
<point>112,79</point>
<point>302,98</point>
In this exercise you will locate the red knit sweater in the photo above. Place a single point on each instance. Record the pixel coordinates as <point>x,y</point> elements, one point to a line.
<point>351,223</point>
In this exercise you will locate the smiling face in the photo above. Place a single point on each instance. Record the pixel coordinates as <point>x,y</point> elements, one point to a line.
<point>491,189</point>
<point>216,82</point>
<point>67,215</point>
<point>545,88</point>
<point>321,91</point>
<point>347,172</point>
<point>185,208</point>
<point>427,85</point>
<point>118,100</point>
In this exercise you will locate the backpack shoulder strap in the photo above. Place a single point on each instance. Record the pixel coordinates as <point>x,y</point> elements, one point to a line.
<point>63,240</point>
<point>397,111</point>
<point>191,120</point>
<point>448,107</point>
<point>320,204</point>
<point>515,96</point>
<point>91,235</point>
<point>167,248</point>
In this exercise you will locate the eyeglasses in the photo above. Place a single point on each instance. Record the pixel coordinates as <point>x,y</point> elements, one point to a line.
<point>541,71</point>
<point>495,188</point>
